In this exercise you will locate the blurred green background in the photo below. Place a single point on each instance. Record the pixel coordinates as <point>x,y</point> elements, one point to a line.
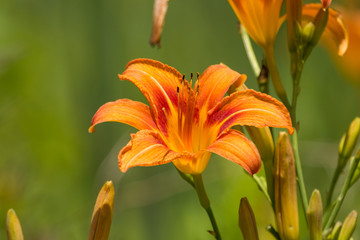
<point>59,62</point>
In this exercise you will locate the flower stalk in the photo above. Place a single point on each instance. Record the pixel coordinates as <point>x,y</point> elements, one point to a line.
<point>205,203</point>
<point>339,200</point>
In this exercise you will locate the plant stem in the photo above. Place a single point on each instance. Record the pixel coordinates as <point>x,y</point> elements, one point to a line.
<point>275,76</point>
<point>205,203</point>
<point>300,178</point>
<point>249,51</point>
<point>332,186</point>
<point>338,202</point>
<point>296,75</point>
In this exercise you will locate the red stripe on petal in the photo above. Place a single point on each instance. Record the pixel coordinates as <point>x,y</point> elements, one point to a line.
<point>130,112</point>
<point>158,82</point>
<point>236,147</point>
<point>250,108</point>
<point>146,148</point>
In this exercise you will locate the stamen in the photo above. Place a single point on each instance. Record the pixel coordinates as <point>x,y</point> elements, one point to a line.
<point>191,79</point>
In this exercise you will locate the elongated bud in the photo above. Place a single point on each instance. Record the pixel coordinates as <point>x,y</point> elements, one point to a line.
<point>102,215</point>
<point>13,227</point>
<point>314,216</point>
<point>334,234</point>
<point>247,221</point>
<point>286,208</point>
<point>349,140</point>
<point>293,15</point>
<point>265,144</point>
<point>160,9</point>
<point>263,140</point>
<point>348,226</point>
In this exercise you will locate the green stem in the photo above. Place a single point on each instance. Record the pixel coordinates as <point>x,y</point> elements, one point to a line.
<point>341,197</point>
<point>275,76</point>
<point>249,51</point>
<point>296,75</point>
<point>332,186</point>
<point>300,178</point>
<point>188,178</point>
<point>205,203</point>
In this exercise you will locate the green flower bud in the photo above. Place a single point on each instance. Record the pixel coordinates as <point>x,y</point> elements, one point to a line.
<point>13,227</point>
<point>314,216</point>
<point>348,226</point>
<point>320,23</point>
<point>308,32</point>
<point>102,215</point>
<point>334,234</point>
<point>349,140</point>
<point>247,221</point>
<point>286,208</point>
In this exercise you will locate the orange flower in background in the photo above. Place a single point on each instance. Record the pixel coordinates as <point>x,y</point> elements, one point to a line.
<point>185,124</point>
<point>260,19</point>
<point>335,28</point>
<point>349,63</point>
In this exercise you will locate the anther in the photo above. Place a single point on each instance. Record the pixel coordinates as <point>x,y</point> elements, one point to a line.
<point>177,90</point>
<point>197,76</point>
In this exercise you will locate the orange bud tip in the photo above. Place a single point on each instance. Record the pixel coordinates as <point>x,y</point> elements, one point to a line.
<point>325,3</point>
<point>91,129</point>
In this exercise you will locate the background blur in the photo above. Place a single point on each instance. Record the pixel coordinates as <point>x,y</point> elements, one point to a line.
<point>59,62</point>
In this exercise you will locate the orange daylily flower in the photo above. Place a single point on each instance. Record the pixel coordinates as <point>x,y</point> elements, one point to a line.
<point>184,125</point>
<point>335,27</point>
<point>260,19</point>
<point>349,63</point>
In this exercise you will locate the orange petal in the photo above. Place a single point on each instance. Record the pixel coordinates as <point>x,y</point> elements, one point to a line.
<point>130,112</point>
<point>250,108</point>
<point>249,13</point>
<point>335,27</point>
<point>160,9</point>
<point>214,82</point>
<point>146,148</point>
<point>236,147</point>
<point>158,82</point>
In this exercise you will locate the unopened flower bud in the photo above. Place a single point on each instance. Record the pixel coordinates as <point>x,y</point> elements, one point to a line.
<point>349,140</point>
<point>265,144</point>
<point>286,208</point>
<point>102,215</point>
<point>13,227</point>
<point>326,3</point>
<point>247,221</point>
<point>320,23</point>
<point>160,9</point>
<point>308,32</point>
<point>348,226</point>
<point>314,216</point>
<point>334,234</point>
